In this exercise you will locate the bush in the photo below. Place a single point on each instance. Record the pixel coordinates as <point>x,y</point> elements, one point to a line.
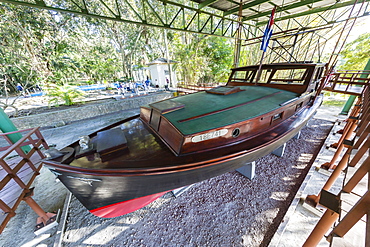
<point>66,93</point>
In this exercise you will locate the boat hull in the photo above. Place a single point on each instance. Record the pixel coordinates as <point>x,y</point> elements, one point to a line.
<point>114,193</point>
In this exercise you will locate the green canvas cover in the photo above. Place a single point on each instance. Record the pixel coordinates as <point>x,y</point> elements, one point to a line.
<point>204,111</point>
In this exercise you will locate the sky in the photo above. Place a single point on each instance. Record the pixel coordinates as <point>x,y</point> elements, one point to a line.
<point>362,26</point>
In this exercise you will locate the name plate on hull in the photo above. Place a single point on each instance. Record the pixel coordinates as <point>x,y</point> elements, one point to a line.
<point>210,135</point>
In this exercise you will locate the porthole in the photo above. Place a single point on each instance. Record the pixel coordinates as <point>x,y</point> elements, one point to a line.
<point>236,132</point>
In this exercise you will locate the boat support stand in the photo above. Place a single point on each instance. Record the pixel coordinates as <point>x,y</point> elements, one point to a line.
<point>248,170</point>
<point>280,151</point>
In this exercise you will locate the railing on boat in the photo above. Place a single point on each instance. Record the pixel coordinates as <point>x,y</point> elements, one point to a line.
<point>348,81</point>
<point>20,164</point>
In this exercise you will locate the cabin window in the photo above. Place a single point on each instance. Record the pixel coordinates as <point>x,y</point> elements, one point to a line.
<point>289,76</point>
<point>236,132</point>
<point>265,75</point>
<point>239,75</point>
<point>246,76</point>
<point>277,117</point>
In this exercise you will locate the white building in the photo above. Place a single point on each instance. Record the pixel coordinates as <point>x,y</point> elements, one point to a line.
<point>159,72</point>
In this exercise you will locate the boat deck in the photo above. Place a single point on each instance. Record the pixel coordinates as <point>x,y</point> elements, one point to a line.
<point>204,111</point>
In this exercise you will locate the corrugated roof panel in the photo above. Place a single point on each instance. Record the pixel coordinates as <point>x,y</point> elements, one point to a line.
<point>260,9</point>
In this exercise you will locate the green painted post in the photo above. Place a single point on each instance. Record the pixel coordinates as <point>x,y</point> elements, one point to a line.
<point>6,125</point>
<point>352,98</point>
<point>348,105</point>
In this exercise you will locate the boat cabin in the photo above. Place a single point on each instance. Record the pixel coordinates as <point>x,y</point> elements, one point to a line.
<point>298,78</point>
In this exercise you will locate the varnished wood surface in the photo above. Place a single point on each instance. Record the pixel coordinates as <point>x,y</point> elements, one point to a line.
<point>18,173</point>
<point>148,154</point>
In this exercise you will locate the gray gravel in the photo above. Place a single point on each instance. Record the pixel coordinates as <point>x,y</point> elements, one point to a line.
<point>228,210</point>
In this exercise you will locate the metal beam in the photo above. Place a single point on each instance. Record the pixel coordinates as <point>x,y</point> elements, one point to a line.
<point>245,6</point>
<point>312,11</point>
<point>281,9</point>
<point>179,15</point>
<point>206,3</point>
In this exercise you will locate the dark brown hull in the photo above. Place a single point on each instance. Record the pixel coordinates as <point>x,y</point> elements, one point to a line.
<point>107,187</point>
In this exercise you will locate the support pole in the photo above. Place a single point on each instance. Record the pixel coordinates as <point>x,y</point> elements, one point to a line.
<point>45,220</point>
<point>348,131</point>
<point>171,84</point>
<point>324,224</point>
<point>43,217</point>
<point>348,105</point>
<point>238,40</point>
<point>313,200</point>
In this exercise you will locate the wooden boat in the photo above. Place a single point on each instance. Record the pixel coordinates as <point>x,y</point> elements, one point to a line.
<point>187,139</point>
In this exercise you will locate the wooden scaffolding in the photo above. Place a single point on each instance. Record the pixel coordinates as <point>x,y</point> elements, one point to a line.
<point>352,205</point>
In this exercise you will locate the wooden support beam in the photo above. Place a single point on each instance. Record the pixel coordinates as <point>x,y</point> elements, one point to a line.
<point>348,130</point>
<point>357,176</point>
<point>354,215</point>
<point>16,184</point>
<point>324,224</point>
<point>360,153</point>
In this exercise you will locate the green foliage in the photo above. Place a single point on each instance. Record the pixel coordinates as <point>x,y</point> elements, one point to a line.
<point>66,93</point>
<point>356,53</point>
<point>219,52</point>
<point>41,47</point>
<point>203,59</point>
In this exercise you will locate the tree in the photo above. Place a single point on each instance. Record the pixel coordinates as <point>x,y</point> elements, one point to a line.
<point>356,53</point>
<point>219,52</point>
<point>203,59</point>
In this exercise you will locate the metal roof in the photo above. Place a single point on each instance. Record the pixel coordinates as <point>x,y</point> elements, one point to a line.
<point>212,17</point>
<point>260,10</point>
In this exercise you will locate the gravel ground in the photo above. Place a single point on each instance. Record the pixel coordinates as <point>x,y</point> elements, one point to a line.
<point>228,210</point>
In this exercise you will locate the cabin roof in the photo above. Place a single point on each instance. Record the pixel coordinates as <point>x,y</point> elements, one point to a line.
<point>204,111</point>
